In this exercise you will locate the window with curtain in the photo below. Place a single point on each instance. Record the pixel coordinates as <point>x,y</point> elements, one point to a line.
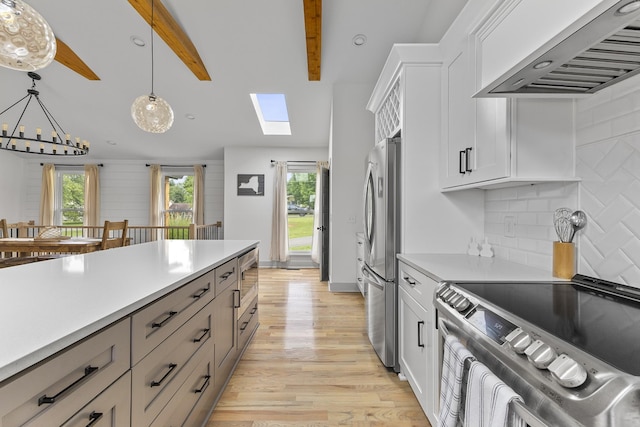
<point>69,196</point>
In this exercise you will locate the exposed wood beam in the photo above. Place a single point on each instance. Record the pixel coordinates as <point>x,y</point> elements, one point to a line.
<point>172,34</point>
<point>68,58</point>
<point>313,30</point>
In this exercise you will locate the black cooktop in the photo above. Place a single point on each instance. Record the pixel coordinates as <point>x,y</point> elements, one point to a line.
<point>601,318</point>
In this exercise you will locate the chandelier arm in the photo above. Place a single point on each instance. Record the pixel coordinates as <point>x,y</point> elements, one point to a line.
<point>13,132</point>
<point>50,117</point>
<point>15,103</point>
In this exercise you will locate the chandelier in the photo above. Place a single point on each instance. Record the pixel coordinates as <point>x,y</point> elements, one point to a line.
<point>27,42</point>
<point>56,145</point>
<point>150,112</point>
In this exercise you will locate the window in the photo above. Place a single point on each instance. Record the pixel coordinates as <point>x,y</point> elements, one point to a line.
<point>178,198</point>
<point>69,197</point>
<point>301,196</point>
<point>271,109</point>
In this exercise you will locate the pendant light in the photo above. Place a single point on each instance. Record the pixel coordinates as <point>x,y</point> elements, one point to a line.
<point>27,42</point>
<point>150,112</point>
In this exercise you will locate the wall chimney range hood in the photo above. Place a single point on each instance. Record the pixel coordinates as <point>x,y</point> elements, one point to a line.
<point>603,52</point>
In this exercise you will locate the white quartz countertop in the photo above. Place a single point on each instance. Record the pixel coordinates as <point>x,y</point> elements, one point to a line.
<point>459,267</point>
<point>49,305</point>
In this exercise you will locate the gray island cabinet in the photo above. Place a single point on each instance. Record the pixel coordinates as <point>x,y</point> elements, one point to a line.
<point>144,335</point>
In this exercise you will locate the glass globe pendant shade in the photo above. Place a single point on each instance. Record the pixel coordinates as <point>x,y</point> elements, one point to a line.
<point>152,114</point>
<point>27,42</point>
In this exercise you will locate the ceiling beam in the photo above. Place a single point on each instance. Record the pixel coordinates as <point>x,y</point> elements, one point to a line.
<point>313,30</point>
<point>173,35</point>
<point>67,57</point>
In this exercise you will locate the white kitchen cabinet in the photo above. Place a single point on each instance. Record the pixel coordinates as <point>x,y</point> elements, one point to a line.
<point>360,261</point>
<point>417,338</point>
<point>225,319</point>
<point>491,142</point>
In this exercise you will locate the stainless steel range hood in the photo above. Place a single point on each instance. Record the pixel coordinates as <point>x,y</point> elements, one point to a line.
<point>603,52</point>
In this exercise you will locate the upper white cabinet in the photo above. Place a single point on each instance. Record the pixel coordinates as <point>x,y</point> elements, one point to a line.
<point>490,142</point>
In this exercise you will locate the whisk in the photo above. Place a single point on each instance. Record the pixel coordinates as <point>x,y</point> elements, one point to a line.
<point>562,224</point>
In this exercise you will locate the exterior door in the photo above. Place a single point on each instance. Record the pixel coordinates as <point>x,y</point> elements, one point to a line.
<point>324,226</point>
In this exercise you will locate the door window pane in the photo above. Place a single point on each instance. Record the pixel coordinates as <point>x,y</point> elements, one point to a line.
<point>301,196</point>
<point>72,203</point>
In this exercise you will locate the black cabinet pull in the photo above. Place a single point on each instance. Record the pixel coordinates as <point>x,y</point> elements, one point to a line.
<point>228,274</point>
<point>94,417</point>
<point>236,305</point>
<point>172,366</point>
<point>204,385</point>
<point>87,372</point>
<point>461,162</point>
<point>409,280</point>
<point>201,337</point>
<point>161,324</point>
<point>420,325</point>
<point>244,326</point>
<point>202,291</point>
<point>253,310</point>
<point>467,155</point>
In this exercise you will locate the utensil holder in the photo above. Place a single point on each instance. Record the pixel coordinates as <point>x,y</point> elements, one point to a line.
<point>564,260</point>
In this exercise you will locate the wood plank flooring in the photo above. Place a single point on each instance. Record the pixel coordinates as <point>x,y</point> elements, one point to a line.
<point>311,363</point>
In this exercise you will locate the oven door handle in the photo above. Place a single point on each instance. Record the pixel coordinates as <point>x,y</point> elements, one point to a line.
<point>442,327</point>
<point>531,419</point>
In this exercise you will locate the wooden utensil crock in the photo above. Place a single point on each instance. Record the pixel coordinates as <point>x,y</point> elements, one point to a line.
<point>563,260</point>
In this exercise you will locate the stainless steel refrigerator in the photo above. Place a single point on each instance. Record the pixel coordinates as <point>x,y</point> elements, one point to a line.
<point>381,231</point>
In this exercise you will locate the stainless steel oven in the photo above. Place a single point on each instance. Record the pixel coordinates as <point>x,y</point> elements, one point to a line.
<point>571,350</point>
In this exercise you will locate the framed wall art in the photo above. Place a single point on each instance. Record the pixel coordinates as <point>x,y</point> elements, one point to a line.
<point>250,185</point>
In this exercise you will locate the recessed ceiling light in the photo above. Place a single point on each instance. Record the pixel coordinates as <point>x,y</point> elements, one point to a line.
<point>543,64</point>
<point>190,116</point>
<point>137,41</point>
<point>629,7</point>
<point>359,40</point>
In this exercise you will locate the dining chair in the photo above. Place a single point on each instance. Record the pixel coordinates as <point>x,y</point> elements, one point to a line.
<point>4,228</point>
<point>119,229</point>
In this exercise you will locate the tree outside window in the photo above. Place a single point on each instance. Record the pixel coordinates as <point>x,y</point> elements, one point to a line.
<point>71,202</point>
<point>301,195</point>
<point>178,201</point>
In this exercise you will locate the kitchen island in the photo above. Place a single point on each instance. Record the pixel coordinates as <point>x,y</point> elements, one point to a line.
<point>115,313</point>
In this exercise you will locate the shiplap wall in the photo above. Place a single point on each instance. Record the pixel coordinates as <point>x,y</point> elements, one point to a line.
<point>125,190</point>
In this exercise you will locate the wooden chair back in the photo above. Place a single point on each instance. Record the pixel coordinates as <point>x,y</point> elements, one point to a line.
<point>119,229</point>
<point>4,228</point>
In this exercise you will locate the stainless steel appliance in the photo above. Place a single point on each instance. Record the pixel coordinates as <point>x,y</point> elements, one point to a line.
<point>248,283</point>
<point>570,349</point>
<point>380,247</point>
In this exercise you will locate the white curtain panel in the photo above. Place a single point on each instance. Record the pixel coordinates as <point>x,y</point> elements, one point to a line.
<point>279,230</point>
<point>91,198</point>
<point>316,239</point>
<point>155,212</point>
<point>198,195</point>
<point>47,199</point>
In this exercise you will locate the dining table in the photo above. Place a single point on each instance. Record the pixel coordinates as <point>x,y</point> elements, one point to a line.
<point>30,245</point>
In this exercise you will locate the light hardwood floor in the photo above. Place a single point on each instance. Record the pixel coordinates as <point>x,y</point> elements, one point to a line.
<point>311,364</point>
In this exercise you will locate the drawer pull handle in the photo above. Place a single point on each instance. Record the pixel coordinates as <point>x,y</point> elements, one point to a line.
<point>228,274</point>
<point>253,310</point>
<point>87,373</point>
<point>201,337</point>
<point>94,417</point>
<point>204,385</point>
<point>202,291</point>
<point>172,366</point>
<point>409,280</point>
<point>420,325</point>
<point>161,324</point>
<point>244,326</point>
<point>236,304</point>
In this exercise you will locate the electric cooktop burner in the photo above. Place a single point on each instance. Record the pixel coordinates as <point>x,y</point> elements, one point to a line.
<point>599,317</point>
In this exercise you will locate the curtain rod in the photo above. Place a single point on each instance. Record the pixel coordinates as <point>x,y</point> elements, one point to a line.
<point>175,166</point>
<point>296,161</point>
<point>67,164</point>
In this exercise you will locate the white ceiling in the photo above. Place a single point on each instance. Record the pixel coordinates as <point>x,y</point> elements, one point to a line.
<point>246,45</point>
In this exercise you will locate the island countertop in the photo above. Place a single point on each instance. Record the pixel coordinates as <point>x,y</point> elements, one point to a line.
<point>50,305</point>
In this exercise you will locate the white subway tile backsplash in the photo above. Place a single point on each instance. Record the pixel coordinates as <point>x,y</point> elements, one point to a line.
<point>517,206</point>
<point>596,132</point>
<point>527,218</point>
<point>538,205</point>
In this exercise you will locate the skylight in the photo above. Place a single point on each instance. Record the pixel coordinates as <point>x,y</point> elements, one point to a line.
<point>271,109</point>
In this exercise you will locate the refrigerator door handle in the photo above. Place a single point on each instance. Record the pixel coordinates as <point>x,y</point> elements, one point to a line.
<point>372,278</point>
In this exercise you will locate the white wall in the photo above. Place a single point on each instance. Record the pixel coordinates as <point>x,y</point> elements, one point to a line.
<point>352,136</point>
<point>12,188</point>
<point>124,190</point>
<point>249,217</point>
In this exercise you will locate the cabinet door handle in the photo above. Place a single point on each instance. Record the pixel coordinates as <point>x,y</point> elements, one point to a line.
<point>161,324</point>
<point>420,325</point>
<point>88,371</point>
<point>172,366</point>
<point>253,310</point>
<point>467,155</point>
<point>202,291</point>
<point>461,162</point>
<point>244,326</point>
<point>236,304</point>
<point>228,274</point>
<point>204,385</point>
<point>201,337</point>
<point>410,281</point>
<point>94,417</point>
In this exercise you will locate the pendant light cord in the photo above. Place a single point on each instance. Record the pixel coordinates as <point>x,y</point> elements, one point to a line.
<point>152,94</point>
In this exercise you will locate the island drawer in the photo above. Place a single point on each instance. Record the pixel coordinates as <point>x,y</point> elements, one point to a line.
<point>159,374</point>
<point>112,407</point>
<point>247,324</point>
<point>226,275</point>
<point>416,284</point>
<point>154,323</point>
<point>52,392</point>
<point>193,402</point>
